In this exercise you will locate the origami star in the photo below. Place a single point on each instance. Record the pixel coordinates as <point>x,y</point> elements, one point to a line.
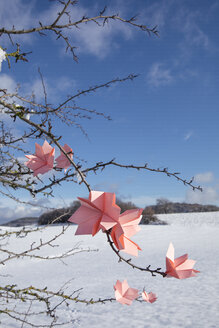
<point>124,294</point>
<point>43,159</point>
<point>62,161</point>
<point>181,267</point>
<point>150,297</point>
<point>98,212</point>
<point>126,227</point>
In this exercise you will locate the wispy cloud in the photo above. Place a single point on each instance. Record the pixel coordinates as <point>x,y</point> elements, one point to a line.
<point>34,86</point>
<point>157,13</point>
<point>9,212</point>
<point>189,23</point>
<point>19,14</point>
<point>192,25</point>
<point>7,82</point>
<point>205,177</point>
<point>158,75</point>
<point>91,38</point>
<point>53,88</point>
<point>188,135</point>
<point>209,195</point>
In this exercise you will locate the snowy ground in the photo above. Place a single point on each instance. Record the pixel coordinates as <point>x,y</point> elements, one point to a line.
<point>185,303</point>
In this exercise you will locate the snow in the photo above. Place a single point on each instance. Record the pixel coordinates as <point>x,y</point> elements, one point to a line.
<point>185,303</point>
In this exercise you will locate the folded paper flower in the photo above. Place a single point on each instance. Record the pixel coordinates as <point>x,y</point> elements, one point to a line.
<point>126,227</point>
<point>62,161</point>
<point>98,212</point>
<point>150,297</point>
<point>124,294</point>
<point>43,159</point>
<point>181,267</point>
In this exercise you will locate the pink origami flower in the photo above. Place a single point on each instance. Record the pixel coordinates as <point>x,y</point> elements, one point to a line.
<point>62,161</point>
<point>43,159</point>
<point>150,297</point>
<point>126,227</point>
<point>181,267</point>
<point>124,294</point>
<point>98,212</point>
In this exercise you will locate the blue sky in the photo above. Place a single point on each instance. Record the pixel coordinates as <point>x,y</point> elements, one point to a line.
<point>167,117</point>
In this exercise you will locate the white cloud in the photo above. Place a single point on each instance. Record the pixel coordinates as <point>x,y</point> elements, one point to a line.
<point>194,35</point>
<point>98,40</point>
<point>204,177</point>
<point>90,37</point>
<point>64,83</point>
<point>209,195</point>
<point>10,210</point>
<point>157,13</point>
<point>2,57</point>
<point>7,82</point>
<point>53,88</point>
<point>188,135</point>
<point>189,23</point>
<point>19,211</point>
<point>158,75</point>
<point>19,14</point>
<point>35,87</point>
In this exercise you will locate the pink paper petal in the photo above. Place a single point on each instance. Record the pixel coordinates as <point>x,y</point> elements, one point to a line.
<point>188,264</point>
<point>179,260</point>
<point>150,298</point>
<point>96,209</point>
<point>43,159</point>
<point>130,247</point>
<point>170,252</point>
<point>62,161</point>
<point>181,267</point>
<point>124,294</point>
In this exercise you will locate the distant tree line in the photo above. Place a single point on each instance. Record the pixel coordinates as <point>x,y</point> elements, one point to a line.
<point>61,215</point>
<point>163,206</point>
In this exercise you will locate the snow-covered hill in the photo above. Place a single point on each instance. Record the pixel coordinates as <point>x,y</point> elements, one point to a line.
<point>185,303</point>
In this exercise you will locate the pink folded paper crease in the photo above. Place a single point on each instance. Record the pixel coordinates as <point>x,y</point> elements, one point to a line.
<point>62,161</point>
<point>181,267</point>
<point>43,159</point>
<point>149,298</point>
<point>97,212</point>
<point>125,294</point>
<point>127,226</point>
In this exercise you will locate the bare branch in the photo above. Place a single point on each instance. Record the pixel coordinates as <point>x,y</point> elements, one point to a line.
<point>122,259</point>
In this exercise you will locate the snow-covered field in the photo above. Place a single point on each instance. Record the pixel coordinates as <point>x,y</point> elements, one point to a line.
<point>185,303</point>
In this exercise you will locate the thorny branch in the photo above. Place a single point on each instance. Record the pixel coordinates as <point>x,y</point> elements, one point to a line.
<point>30,291</point>
<point>57,28</point>
<point>102,165</point>
<point>39,127</point>
<point>122,259</point>
<point>15,175</point>
<point>50,300</point>
<point>50,136</point>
